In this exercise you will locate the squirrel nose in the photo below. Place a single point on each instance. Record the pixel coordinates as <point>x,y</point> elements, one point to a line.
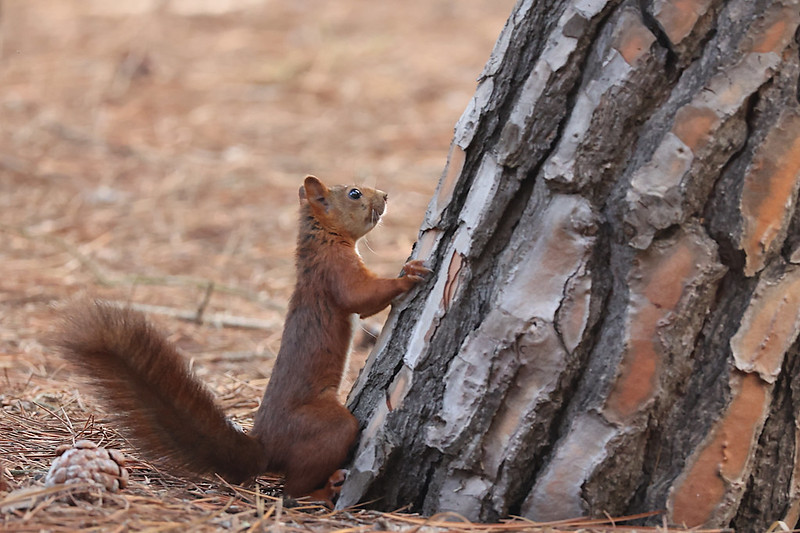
<point>385,197</point>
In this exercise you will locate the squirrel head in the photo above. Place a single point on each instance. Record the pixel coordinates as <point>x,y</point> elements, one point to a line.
<point>345,209</point>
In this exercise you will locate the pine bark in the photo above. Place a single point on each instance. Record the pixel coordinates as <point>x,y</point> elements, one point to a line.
<point>612,322</point>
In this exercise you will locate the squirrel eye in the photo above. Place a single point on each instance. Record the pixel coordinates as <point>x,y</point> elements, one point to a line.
<point>354,194</point>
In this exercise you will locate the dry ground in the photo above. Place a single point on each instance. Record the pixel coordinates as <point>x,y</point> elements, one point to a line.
<point>150,148</point>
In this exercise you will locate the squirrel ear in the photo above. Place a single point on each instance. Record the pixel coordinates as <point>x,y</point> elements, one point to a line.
<point>315,192</point>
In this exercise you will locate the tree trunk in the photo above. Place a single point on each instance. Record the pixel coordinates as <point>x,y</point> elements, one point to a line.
<point>612,322</point>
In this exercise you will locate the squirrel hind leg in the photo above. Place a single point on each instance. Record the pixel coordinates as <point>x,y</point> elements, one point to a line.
<point>314,463</point>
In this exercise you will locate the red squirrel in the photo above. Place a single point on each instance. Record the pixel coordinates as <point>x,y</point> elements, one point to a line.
<point>301,429</point>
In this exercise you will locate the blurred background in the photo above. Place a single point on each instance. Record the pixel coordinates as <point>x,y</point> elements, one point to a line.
<point>149,148</point>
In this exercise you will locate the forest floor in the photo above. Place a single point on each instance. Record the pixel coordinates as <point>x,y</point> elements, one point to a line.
<point>150,153</point>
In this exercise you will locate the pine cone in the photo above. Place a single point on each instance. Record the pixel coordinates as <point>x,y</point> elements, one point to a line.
<point>85,462</point>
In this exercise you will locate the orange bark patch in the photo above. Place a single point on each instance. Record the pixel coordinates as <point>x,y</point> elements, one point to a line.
<point>637,379</point>
<point>633,41</point>
<point>453,279</point>
<point>769,327</point>
<point>574,313</point>
<point>678,17</point>
<point>771,38</point>
<point>656,288</point>
<point>398,389</point>
<point>721,462</point>
<point>396,394</point>
<point>778,32</point>
<point>426,242</point>
<point>769,189</point>
<point>741,425</point>
<point>449,180</point>
<point>694,125</point>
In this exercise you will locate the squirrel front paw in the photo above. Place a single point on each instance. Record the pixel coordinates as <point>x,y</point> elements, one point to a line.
<point>415,270</point>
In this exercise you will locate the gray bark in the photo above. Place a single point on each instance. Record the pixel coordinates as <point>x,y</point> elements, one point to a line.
<point>612,320</point>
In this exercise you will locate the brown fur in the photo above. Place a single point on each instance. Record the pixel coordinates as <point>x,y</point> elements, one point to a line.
<point>301,429</point>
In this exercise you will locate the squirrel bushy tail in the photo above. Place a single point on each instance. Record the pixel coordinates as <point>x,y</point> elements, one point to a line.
<point>148,387</point>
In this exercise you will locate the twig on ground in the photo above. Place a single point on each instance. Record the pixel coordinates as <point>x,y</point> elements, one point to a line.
<point>204,303</point>
<point>215,319</point>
